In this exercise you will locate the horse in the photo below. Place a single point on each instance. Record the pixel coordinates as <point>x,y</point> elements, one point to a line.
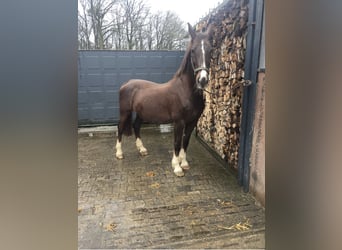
<point>178,101</point>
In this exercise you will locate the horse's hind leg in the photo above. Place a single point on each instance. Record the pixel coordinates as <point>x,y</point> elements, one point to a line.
<point>119,153</point>
<point>140,146</point>
<point>124,125</point>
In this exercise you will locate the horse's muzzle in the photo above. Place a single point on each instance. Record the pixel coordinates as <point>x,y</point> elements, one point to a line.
<point>202,79</point>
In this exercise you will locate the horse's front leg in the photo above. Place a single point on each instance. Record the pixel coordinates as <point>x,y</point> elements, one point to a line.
<point>186,137</point>
<point>140,146</point>
<point>178,135</point>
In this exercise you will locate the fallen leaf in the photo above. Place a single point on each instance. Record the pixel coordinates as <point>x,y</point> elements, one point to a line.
<point>155,185</point>
<point>111,227</point>
<point>150,174</point>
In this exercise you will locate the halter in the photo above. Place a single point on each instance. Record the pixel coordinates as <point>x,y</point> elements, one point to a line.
<point>243,83</point>
<point>199,68</point>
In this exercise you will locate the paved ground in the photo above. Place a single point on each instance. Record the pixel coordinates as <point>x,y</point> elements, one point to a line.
<point>139,203</point>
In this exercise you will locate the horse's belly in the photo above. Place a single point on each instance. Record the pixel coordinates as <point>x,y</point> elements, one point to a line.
<point>154,105</point>
<point>158,121</point>
<point>153,112</point>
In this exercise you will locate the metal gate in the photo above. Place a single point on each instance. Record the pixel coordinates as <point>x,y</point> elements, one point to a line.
<point>101,73</point>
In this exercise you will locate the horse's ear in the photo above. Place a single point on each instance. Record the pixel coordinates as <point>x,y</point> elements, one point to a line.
<point>191,32</point>
<point>210,30</point>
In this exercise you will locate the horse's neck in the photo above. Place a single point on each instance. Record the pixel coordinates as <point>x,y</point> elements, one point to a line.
<point>185,77</point>
<point>188,75</point>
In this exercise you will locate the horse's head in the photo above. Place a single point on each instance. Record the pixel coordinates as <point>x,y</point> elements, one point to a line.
<point>200,54</point>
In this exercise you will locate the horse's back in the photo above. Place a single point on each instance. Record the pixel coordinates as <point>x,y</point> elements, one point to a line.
<point>138,84</point>
<point>129,90</point>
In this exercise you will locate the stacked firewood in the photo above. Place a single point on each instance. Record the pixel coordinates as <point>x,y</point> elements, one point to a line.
<point>219,124</point>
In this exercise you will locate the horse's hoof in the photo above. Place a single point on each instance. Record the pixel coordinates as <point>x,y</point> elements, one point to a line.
<point>119,156</point>
<point>143,152</point>
<point>178,171</point>
<point>185,166</point>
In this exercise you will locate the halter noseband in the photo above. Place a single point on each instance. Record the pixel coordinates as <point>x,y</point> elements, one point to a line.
<point>199,69</point>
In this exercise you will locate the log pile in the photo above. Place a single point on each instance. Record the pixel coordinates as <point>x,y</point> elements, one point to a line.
<point>219,124</point>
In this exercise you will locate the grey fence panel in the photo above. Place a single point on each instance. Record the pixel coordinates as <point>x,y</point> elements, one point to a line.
<point>101,73</point>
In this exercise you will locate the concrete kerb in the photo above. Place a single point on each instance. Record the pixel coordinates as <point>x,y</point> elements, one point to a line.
<point>90,131</point>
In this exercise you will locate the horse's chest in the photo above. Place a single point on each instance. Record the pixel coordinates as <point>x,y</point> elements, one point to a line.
<point>193,110</point>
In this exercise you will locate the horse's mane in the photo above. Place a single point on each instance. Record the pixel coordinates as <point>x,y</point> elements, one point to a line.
<point>183,66</point>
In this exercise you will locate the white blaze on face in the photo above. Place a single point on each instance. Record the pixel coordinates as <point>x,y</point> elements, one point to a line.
<point>203,73</point>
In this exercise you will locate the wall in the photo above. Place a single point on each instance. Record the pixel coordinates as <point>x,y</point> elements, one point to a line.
<point>102,73</point>
<point>257,160</point>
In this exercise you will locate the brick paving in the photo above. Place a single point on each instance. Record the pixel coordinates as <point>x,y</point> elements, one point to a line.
<point>138,202</point>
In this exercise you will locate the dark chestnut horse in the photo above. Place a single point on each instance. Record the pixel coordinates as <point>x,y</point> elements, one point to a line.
<point>180,100</point>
